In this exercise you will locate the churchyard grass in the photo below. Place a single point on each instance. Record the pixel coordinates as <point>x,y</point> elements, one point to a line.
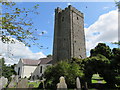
<point>97,79</point>
<point>36,84</point>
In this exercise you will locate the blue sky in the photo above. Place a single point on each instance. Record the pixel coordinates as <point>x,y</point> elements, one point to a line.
<point>45,20</point>
<point>92,13</point>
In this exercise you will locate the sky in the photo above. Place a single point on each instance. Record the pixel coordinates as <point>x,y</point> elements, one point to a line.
<point>100,25</point>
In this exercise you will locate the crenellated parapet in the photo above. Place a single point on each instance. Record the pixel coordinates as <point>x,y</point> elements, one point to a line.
<point>68,9</point>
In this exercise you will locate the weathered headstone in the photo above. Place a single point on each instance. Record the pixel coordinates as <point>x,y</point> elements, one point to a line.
<point>62,85</point>
<point>13,82</point>
<point>23,83</point>
<point>86,86</point>
<point>78,84</point>
<point>3,82</point>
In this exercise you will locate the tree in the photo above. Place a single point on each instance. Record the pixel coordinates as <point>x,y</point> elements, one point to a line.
<point>7,71</point>
<point>102,49</point>
<point>16,23</point>
<point>49,55</point>
<point>101,65</point>
<point>115,63</point>
<point>118,4</point>
<point>63,68</point>
<point>118,43</point>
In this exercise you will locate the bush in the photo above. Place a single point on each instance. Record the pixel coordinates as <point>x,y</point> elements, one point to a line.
<point>62,68</point>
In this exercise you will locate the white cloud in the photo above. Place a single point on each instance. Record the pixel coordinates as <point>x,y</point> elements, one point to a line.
<point>104,8</point>
<point>105,29</point>
<point>68,3</point>
<point>13,52</point>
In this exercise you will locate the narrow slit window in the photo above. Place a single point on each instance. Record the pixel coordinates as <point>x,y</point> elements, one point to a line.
<point>62,18</point>
<point>77,18</point>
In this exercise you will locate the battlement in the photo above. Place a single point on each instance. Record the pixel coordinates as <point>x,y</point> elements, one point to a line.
<point>69,8</point>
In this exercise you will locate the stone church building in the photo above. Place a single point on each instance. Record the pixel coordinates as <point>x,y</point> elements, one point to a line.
<point>69,42</point>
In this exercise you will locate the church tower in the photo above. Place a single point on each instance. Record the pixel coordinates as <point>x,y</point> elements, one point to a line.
<point>69,37</point>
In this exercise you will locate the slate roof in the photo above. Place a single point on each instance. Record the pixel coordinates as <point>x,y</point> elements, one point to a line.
<point>45,60</point>
<point>30,62</point>
<point>37,62</point>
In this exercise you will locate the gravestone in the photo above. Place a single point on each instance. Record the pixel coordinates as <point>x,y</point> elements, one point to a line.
<point>62,85</point>
<point>3,82</point>
<point>86,86</point>
<point>13,82</point>
<point>23,83</point>
<point>78,84</point>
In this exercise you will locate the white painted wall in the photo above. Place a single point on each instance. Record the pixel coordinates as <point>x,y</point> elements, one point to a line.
<point>28,70</point>
<point>37,70</point>
<point>25,70</point>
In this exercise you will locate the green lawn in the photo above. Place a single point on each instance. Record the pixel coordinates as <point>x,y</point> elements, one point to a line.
<point>97,79</point>
<point>36,84</point>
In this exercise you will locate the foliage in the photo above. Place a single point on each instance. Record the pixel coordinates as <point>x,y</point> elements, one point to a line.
<point>101,65</point>
<point>118,4</point>
<point>49,55</point>
<point>7,71</point>
<point>115,63</point>
<point>118,43</point>
<point>62,68</point>
<point>102,49</point>
<point>16,23</point>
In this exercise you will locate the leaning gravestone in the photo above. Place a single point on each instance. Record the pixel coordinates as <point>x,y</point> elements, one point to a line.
<point>13,82</point>
<point>3,82</point>
<point>23,83</point>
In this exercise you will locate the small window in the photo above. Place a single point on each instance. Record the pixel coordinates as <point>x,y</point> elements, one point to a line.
<point>62,18</point>
<point>19,71</point>
<point>79,49</point>
<point>40,69</point>
<point>77,18</point>
<point>75,41</point>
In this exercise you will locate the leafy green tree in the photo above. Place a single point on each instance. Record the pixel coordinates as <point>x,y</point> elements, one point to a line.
<point>6,71</point>
<point>117,4</point>
<point>115,63</point>
<point>101,65</point>
<point>102,49</point>
<point>49,55</point>
<point>16,23</point>
<point>118,43</point>
<point>63,68</point>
